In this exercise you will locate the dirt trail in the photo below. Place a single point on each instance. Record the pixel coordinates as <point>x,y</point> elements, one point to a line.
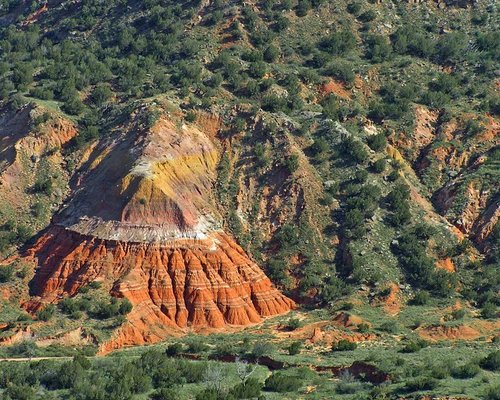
<point>24,359</point>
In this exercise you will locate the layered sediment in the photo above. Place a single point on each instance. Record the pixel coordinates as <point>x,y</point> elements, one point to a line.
<point>143,218</point>
<point>184,283</point>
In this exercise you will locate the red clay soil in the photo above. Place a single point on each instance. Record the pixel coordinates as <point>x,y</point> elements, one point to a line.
<point>333,335</point>
<point>391,302</point>
<point>347,320</point>
<point>441,332</point>
<point>446,264</point>
<point>336,88</point>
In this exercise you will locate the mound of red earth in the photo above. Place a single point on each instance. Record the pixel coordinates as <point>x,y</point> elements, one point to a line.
<point>442,332</point>
<point>143,217</point>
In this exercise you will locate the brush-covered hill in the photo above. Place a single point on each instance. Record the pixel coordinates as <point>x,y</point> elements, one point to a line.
<point>198,166</point>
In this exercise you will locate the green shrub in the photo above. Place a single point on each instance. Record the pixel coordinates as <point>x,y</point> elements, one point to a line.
<point>207,394</point>
<point>105,310</point>
<point>262,348</point>
<point>414,346</point>
<point>20,392</point>
<point>83,361</point>
<point>349,387</point>
<point>249,389</point>
<point>46,313</point>
<point>86,135</point>
<point>225,349</point>
<point>26,348</point>
<point>303,7</point>
<point>281,23</point>
<point>22,74</point>
<point>354,150</point>
<point>292,163</point>
<point>389,327</point>
<point>492,393</point>
<point>489,310</point>
<point>440,371</point>
<point>338,43</point>
<point>458,314</point>
<point>95,284</point>
<point>378,48</point>
<point>76,315</point>
<point>271,54</point>
<point>367,16</point>
<point>361,176</point>
<point>412,41</point>
<point>43,185</point>
<point>421,298</point>
<point>196,346</point>
<point>293,324</point>
<point>435,99</point>
<point>6,273</point>
<point>344,345</point>
<point>342,70</point>
<point>294,348</point>
<point>420,383</point>
<point>465,371</point>
<point>174,349</point>
<point>73,106</point>
<point>101,94</point>
<point>491,361</point>
<point>125,307</point>
<point>379,165</point>
<point>190,116</point>
<point>215,17</point>
<point>69,305</point>
<point>281,383</point>
<point>165,394</point>
<point>354,8</point>
<point>363,327</point>
<point>23,317</point>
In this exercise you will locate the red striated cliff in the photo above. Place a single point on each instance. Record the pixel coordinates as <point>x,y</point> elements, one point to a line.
<point>143,219</point>
<point>206,283</point>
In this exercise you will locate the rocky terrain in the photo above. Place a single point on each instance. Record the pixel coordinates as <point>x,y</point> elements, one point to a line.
<point>143,217</point>
<point>307,185</point>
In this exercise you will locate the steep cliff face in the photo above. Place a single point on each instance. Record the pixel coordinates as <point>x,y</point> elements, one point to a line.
<point>142,217</point>
<point>183,284</point>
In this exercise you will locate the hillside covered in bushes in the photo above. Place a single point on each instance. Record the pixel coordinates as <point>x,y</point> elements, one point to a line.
<point>199,167</point>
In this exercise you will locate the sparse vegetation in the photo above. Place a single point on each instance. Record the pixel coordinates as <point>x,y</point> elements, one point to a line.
<point>352,136</point>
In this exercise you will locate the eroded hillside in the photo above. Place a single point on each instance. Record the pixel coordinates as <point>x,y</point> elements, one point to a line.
<point>170,168</point>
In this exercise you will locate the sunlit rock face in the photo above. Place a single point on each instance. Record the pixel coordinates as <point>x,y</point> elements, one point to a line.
<point>142,216</point>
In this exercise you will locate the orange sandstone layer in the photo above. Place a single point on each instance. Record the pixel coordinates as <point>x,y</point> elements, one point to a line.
<point>196,284</point>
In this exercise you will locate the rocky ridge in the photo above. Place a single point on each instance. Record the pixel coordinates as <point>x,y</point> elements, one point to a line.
<point>143,218</point>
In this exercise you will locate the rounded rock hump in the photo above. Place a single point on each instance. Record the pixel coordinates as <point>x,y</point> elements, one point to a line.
<point>143,216</point>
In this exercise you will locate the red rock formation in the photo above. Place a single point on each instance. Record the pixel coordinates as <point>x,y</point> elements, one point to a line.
<point>455,159</point>
<point>186,284</point>
<point>183,284</point>
<point>148,225</point>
